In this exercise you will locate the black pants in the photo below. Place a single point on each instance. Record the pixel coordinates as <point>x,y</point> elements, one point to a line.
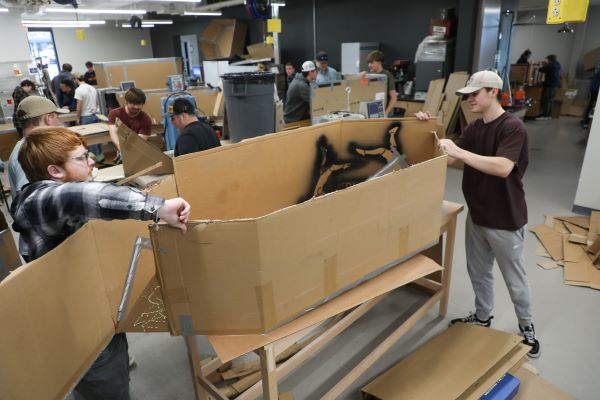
<point>548,94</point>
<point>108,377</point>
<point>590,106</point>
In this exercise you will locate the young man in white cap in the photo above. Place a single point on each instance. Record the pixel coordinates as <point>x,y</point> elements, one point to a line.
<point>32,112</point>
<point>495,153</point>
<point>297,105</point>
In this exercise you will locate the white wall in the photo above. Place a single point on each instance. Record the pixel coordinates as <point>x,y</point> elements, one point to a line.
<point>105,43</point>
<point>588,189</point>
<point>544,39</point>
<point>13,38</point>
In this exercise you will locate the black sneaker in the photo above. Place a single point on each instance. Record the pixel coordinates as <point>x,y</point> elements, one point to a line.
<point>473,320</point>
<point>529,339</point>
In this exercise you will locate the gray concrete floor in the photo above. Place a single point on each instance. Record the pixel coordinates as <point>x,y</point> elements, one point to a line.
<point>565,316</point>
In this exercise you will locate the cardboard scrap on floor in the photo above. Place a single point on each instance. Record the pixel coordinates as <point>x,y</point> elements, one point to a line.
<point>574,243</point>
<point>463,362</point>
<point>534,387</point>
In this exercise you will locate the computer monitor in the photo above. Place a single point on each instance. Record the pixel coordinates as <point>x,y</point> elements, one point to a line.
<point>126,85</point>
<point>372,109</point>
<point>196,71</point>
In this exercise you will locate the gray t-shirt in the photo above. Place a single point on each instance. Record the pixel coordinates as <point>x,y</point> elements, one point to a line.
<point>17,179</point>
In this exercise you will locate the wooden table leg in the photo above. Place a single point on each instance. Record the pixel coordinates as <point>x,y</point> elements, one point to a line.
<point>447,273</point>
<point>268,372</point>
<point>194,359</point>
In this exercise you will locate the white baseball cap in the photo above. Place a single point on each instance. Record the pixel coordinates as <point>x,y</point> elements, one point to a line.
<point>481,79</point>
<point>308,66</point>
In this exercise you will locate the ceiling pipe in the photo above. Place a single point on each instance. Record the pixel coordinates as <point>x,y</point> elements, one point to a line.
<point>218,6</point>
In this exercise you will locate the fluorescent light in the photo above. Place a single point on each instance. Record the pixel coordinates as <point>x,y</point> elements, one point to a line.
<point>94,11</point>
<point>207,13</point>
<point>143,25</point>
<point>174,1</point>
<point>73,25</point>
<point>60,22</point>
<point>157,21</point>
<point>2,9</point>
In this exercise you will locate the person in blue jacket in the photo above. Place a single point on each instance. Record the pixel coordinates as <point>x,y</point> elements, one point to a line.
<point>551,71</point>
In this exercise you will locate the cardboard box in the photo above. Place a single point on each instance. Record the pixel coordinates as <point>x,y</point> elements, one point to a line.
<point>139,154</point>
<point>255,258</point>
<point>58,312</point>
<point>260,50</point>
<point>519,73</point>
<point>462,362</point>
<point>223,38</point>
<point>329,98</point>
<point>9,255</point>
<point>591,59</point>
<point>150,73</point>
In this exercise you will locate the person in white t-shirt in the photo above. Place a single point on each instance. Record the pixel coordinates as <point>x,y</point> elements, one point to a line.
<point>87,107</point>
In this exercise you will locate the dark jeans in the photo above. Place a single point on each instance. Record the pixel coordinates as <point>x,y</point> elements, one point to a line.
<point>590,106</point>
<point>548,94</point>
<point>91,119</point>
<point>108,377</point>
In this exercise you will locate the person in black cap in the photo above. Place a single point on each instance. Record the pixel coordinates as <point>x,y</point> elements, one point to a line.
<point>325,73</point>
<point>194,134</point>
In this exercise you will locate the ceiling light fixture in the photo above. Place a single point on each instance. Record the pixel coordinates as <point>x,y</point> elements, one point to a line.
<point>60,22</point>
<point>206,13</point>
<point>174,1</point>
<point>71,25</point>
<point>3,9</point>
<point>157,21</point>
<point>94,11</point>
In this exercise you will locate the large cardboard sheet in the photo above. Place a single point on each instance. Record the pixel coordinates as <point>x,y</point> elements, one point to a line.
<point>138,154</point>
<point>535,387</point>
<point>258,258</point>
<point>230,346</point>
<point>451,365</point>
<point>551,240</point>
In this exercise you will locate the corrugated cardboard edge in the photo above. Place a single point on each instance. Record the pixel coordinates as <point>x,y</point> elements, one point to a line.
<point>142,154</point>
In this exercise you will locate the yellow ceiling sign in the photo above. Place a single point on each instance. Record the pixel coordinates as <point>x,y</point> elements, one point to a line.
<point>561,11</point>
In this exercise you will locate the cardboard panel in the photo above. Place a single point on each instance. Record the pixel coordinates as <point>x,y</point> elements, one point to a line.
<point>148,73</point>
<point>138,154</point>
<point>435,96</point>
<point>276,257</point>
<point>115,74</point>
<point>59,320</point>
<point>154,75</point>
<point>446,366</point>
<point>8,140</point>
<point>229,347</point>
<point>534,387</point>
<point>223,38</point>
<point>257,177</point>
<point>326,99</point>
<point>9,255</point>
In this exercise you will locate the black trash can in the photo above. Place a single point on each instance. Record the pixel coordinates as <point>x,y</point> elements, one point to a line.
<point>249,103</point>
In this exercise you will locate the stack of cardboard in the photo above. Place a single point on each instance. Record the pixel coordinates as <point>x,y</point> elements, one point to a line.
<point>451,103</point>
<point>572,242</point>
<point>464,362</point>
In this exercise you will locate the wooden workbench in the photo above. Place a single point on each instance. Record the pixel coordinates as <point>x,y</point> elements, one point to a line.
<point>364,297</point>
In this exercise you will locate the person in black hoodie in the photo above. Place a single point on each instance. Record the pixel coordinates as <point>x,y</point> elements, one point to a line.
<point>551,71</point>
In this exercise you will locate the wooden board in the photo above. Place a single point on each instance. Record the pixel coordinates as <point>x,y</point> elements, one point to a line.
<point>434,96</point>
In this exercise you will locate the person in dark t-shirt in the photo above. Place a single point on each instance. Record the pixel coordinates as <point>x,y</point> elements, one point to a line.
<point>194,134</point>
<point>90,75</point>
<point>495,153</point>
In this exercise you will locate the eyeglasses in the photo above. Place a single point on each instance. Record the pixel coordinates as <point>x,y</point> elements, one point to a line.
<point>84,157</point>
